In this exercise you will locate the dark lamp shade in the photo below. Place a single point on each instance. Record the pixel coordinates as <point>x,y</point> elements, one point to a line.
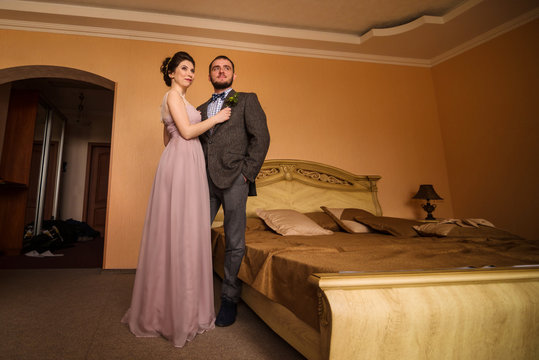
<point>427,192</point>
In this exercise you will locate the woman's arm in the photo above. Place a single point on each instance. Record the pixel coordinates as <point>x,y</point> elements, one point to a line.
<point>187,130</point>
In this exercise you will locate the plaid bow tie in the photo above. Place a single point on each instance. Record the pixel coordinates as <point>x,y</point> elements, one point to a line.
<point>217,96</point>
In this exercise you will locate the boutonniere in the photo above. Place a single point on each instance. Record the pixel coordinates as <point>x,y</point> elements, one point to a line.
<point>232,101</point>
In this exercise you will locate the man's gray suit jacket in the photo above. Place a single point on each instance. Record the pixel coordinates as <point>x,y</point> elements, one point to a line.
<point>237,146</point>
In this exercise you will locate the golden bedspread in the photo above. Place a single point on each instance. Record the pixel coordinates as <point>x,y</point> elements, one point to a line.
<point>278,267</point>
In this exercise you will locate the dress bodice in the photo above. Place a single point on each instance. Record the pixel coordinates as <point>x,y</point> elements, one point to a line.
<point>192,114</point>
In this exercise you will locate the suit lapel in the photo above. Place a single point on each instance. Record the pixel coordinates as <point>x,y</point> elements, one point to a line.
<point>204,110</point>
<point>230,94</point>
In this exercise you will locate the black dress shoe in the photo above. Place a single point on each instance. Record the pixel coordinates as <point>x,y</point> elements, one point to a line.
<point>227,313</point>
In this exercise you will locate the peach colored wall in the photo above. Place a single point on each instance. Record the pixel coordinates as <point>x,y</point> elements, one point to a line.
<point>366,118</point>
<point>489,112</point>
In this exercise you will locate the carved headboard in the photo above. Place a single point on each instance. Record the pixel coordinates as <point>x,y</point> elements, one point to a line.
<point>305,186</point>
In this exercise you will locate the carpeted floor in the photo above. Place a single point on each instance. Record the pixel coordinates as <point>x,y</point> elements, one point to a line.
<point>75,314</point>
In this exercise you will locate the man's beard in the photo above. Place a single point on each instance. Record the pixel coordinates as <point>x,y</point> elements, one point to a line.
<point>222,86</point>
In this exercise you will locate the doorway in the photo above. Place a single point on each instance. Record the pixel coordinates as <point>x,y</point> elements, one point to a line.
<point>96,189</point>
<point>85,101</point>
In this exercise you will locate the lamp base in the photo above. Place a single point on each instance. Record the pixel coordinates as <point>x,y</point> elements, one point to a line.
<point>430,217</point>
<point>429,208</point>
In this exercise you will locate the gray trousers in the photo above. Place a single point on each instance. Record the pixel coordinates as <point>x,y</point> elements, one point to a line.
<point>233,200</point>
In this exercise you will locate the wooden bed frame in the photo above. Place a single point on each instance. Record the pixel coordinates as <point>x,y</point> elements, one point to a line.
<point>449,314</point>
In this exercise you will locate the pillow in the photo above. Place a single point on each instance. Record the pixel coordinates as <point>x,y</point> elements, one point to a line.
<point>454,230</point>
<point>394,226</point>
<point>324,220</point>
<point>291,222</point>
<point>345,218</point>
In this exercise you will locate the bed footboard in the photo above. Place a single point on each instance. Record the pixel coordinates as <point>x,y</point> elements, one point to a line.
<point>459,314</point>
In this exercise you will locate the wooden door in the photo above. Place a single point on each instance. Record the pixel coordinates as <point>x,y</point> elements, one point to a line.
<point>97,179</point>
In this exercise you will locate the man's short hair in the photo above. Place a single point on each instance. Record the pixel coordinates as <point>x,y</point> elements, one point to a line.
<point>222,57</point>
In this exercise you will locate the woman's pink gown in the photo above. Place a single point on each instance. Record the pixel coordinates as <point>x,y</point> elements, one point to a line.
<point>173,291</point>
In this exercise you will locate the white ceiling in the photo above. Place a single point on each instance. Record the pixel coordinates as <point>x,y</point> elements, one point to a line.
<point>409,32</point>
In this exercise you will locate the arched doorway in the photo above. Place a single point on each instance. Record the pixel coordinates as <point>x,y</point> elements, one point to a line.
<point>81,103</point>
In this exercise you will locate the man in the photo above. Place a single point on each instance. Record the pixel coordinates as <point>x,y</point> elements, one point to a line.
<point>234,152</point>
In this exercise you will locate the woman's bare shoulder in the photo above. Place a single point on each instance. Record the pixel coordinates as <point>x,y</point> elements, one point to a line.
<point>174,98</point>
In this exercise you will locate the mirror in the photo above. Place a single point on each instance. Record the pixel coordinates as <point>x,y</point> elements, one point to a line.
<point>45,168</point>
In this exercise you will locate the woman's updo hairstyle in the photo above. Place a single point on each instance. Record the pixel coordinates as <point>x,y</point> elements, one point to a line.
<point>171,63</point>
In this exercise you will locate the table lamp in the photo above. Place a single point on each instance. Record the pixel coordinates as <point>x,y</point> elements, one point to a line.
<point>426,192</point>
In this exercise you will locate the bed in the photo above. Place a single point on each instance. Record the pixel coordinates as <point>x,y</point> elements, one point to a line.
<point>386,293</point>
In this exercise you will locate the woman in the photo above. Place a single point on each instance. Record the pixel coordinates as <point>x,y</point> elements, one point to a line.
<point>173,291</point>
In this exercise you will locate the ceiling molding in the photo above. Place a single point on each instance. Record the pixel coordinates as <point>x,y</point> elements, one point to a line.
<point>425,19</point>
<point>221,25</point>
<point>401,29</point>
<point>416,43</point>
<point>174,20</point>
<point>206,42</point>
<point>481,39</point>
